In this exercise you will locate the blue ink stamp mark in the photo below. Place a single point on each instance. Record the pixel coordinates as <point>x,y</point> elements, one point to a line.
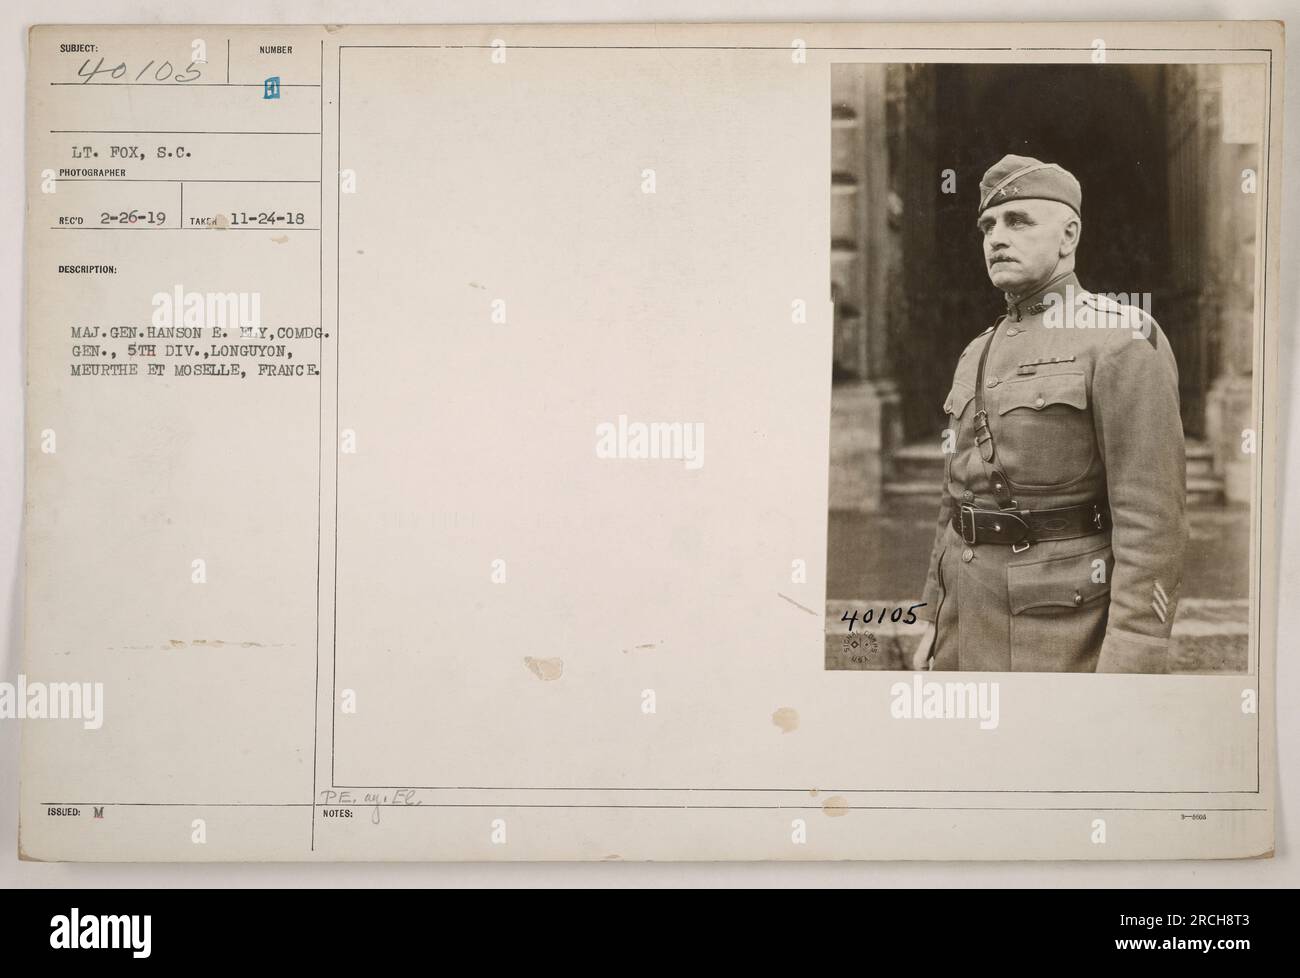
<point>271,87</point>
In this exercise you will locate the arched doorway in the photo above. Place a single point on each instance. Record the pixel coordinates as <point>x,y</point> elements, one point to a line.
<point>1105,124</point>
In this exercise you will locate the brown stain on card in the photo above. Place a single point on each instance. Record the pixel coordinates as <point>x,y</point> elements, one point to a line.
<point>835,806</point>
<point>545,669</point>
<point>787,718</point>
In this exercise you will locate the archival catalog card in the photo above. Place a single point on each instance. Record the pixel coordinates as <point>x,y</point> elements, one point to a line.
<point>833,441</point>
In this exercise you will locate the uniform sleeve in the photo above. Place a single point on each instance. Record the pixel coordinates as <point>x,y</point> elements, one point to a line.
<point>1140,435</point>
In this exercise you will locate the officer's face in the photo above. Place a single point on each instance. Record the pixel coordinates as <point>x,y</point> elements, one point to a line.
<point>1024,240</point>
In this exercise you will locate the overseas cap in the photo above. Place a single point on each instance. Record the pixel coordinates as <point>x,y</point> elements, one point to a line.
<point>1023,177</point>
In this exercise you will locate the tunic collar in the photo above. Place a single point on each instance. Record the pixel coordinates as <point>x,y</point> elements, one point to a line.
<point>1034,302</point>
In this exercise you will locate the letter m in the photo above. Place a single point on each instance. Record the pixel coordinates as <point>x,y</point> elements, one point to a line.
<point>222,309</point>
<point>65,701</point>
<point>665,440</point>
<point>116,931</point>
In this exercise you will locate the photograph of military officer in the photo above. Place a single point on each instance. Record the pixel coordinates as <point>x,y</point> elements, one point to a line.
<point>1043,280</point>
<point>1061,528</point>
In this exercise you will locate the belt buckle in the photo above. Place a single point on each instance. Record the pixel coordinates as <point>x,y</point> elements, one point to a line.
<point>963,510</point>
<point>1023,545</point>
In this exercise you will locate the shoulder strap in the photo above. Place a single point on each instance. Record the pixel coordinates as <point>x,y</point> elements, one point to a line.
<point>984,435</point>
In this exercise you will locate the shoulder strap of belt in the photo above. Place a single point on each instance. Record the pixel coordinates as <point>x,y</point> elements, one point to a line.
<point>984,435</point>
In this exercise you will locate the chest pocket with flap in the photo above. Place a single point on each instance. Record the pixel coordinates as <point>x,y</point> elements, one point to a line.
<point>1037,393</point>
<point>1044,431</point>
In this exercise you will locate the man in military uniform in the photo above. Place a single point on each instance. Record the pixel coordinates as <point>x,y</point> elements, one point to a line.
<point>1062,529</point>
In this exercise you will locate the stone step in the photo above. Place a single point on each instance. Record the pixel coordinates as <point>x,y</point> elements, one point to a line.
<point>920,461</point>
<point>921,469</point>
<point>915,489</point>
<point>1210,635</point>
<point>1204,491</point>
<point>1201,493</point>
<point>1200,476</point>
<point>917,472</point>
<point>1194,449</point>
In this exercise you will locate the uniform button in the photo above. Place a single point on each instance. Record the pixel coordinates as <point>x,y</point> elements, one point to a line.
<point>1078,598</point>
<point>967,496</point>
<point>1039,402</point>
<point>967,555</point>
<point>993,382</point>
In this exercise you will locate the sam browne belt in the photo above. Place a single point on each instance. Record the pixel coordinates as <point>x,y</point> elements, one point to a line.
<point>1018,528</point>
<point>1009,524</point>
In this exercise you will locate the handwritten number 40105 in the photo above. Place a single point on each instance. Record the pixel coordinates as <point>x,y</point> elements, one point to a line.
<point>895,616</point>
<point>164,72</point>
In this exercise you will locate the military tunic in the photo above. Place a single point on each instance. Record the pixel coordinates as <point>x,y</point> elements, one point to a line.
<point>1082,407</point>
